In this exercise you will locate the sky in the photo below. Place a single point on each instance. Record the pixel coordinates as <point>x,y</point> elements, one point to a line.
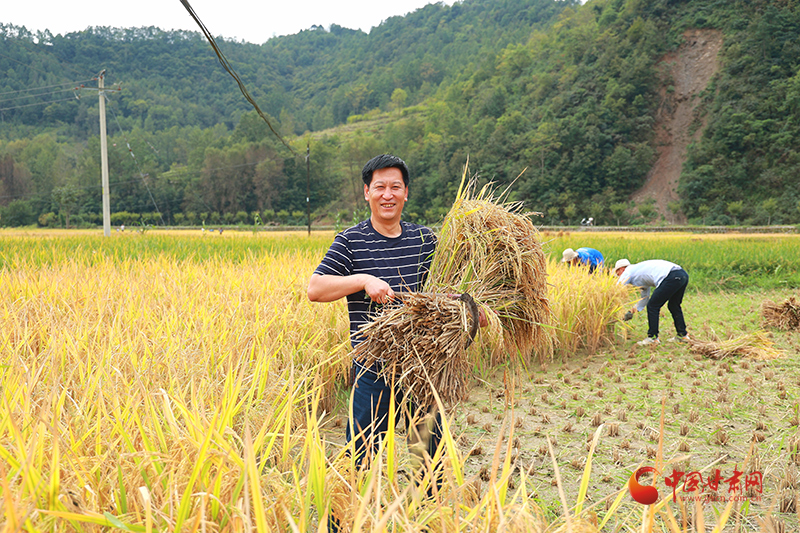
<point>248,20</point>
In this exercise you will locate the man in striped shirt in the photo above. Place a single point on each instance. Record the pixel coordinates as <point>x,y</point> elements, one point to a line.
<point>367,264</point>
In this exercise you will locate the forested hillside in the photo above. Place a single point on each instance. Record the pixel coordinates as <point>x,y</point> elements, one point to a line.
<point>569,94</point>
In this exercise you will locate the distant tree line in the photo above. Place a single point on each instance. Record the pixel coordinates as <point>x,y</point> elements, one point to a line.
<point>557,98</point>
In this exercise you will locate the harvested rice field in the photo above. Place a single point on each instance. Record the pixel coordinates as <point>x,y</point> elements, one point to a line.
<point>182,381</point>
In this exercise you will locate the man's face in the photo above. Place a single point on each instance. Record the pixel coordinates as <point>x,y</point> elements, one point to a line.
<point>386,194</point>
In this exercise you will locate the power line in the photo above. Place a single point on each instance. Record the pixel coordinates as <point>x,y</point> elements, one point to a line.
<point>39,94</point>
<point>72,83</point>
<point>141,174</point>
<point>192,171</point>
<point>34,194</point>
<point>227,66</point>
<point>26,65</point>
<point>37,103</point>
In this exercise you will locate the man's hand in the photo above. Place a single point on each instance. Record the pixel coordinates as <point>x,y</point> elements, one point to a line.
<point>628,315</point>
<point>482,320</point>
<point>378,290</point>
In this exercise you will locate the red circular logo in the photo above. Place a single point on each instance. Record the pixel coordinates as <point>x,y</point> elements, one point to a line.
<point>644,494</point>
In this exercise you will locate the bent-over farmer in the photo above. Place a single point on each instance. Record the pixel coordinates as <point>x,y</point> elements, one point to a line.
<point>583,256</point>
<point>669,282</point>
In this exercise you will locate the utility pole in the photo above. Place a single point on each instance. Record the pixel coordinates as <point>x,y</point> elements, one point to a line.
<point>104,155</point>
<point>308,184</point>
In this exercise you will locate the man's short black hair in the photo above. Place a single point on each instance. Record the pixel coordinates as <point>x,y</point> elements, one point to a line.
<point>384,161</point>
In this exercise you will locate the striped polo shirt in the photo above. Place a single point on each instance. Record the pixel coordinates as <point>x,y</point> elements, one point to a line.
<point>403,262</point>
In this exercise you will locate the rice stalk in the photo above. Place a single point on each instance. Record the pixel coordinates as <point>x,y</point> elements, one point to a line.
<point>586,308</point>
<point>142,377</point>
<point>490,249</point>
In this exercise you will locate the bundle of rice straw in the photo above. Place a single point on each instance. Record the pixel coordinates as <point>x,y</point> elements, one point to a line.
<point>489,250</point>
<point>423,338</point>
<point>751,345</point>
<point>784,316</point>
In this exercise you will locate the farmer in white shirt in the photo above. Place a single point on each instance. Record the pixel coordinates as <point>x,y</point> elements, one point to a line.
<point>669,281</point>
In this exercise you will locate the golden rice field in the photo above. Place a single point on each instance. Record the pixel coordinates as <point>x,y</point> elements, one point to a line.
<point>184,382</point>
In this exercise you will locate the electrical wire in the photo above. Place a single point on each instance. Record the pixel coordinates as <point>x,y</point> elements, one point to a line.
<point>74,84</point>
<point>130,151</point>
<point>34,194</point>
<point>227,66</point>
<point>24,64</point>
<point>37,103</point>
<point>37,94</point>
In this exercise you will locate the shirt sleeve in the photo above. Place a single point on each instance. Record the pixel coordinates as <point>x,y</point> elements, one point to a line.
<point>338,261</point>
<point>641,304</point>
<point>425,265</point>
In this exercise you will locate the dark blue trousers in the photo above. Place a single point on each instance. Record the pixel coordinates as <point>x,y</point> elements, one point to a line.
<point>670,290</point>
<point>371,400</point>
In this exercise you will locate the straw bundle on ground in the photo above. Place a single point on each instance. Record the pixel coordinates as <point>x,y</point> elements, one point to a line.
<point>784,316</point>
<point>491,250</point>
<point>424,338</point>
<point>751,345</point>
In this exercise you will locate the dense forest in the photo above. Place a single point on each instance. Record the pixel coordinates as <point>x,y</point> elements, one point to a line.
<point>557,97</point>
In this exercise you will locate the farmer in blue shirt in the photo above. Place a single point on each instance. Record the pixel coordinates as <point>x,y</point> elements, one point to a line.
<point>583,256</point>
<point>669,282</point>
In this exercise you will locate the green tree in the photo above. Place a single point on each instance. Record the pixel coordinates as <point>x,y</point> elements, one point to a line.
<point>67,200</point>
<point>569,212</point>
<point>735,210</point>
<point>399,97</point>
<point>674,208</point>
<point>770,206</point>
<point>647,210</point>
<point>618,210</point>
<point>552,212</point>
<point>596,211</point>
<point>17,213</point>
<point>703,210</point>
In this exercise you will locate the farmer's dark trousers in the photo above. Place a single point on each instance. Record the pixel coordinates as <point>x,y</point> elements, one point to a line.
<point>670,290</point>
<point>371,399</point>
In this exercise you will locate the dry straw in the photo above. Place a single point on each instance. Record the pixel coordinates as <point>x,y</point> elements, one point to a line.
<point>489,249</point>
<point>784,316</point>
<point>751,345</point>
<point>423,339</point>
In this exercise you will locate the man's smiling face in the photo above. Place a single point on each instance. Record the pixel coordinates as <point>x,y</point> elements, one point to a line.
<point>386,194</point>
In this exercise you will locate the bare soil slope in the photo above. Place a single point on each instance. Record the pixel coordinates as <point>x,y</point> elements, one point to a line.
<point>690,69</point>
